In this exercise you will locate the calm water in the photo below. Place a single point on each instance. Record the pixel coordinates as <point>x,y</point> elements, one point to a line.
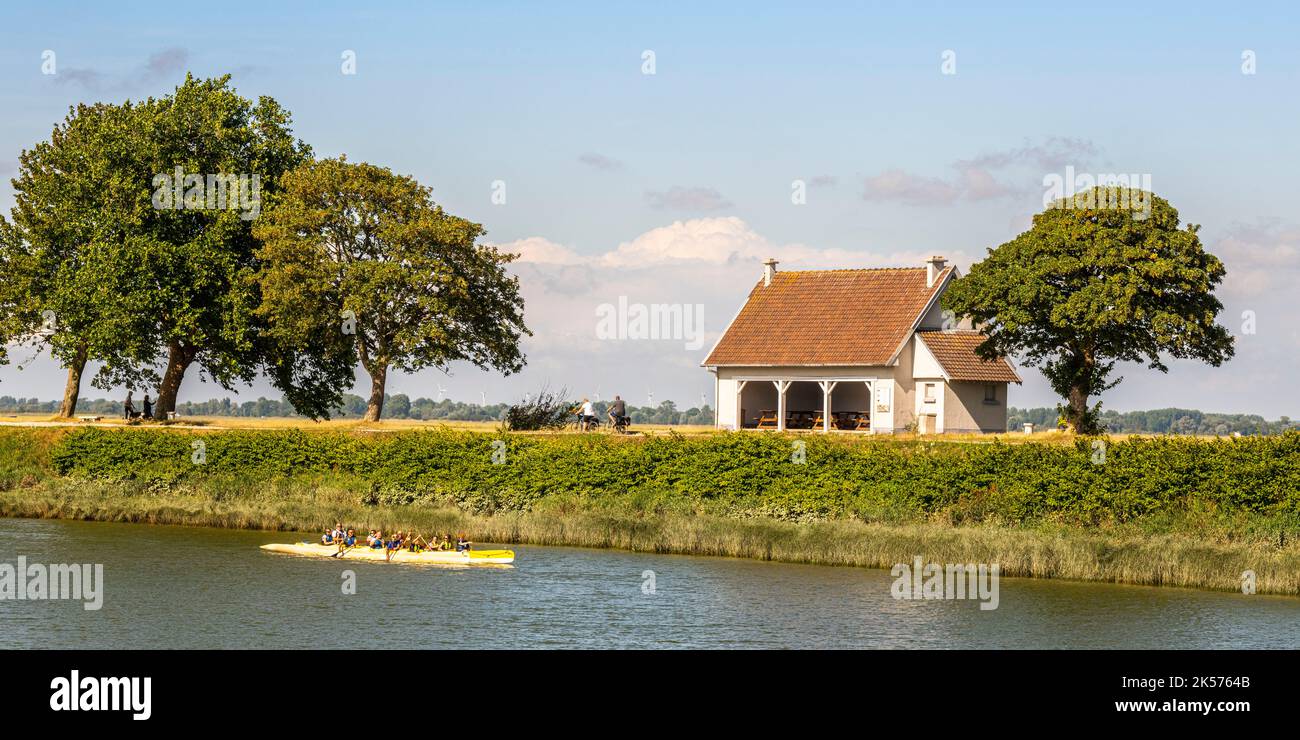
<point>178,587</point>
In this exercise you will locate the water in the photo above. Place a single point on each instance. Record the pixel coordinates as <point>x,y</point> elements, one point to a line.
<point>178,587</point>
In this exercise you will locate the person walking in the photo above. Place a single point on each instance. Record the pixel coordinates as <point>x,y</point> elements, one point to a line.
<point>148,407</point>
<point>128,408</point>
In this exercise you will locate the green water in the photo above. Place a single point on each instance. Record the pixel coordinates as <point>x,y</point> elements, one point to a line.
<point>177,587</point>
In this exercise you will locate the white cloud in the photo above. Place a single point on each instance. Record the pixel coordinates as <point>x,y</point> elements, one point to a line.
<point>1260,259</point>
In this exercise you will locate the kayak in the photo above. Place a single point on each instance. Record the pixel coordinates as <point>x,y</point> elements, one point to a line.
<point>361,552</point>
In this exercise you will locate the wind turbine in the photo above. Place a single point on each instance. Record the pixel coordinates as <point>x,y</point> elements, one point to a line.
<point>597,394</point>
<point>483,397</point>
<point>441,391</point>
<point>650,398</point>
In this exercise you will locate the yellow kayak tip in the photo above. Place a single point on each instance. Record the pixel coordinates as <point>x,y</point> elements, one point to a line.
<point>361,552</point>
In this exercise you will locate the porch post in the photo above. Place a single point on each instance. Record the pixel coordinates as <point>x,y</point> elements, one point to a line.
<point>827,387</point>
<point>740,388</point>
<point>871,403</point>
<point>781,385</point>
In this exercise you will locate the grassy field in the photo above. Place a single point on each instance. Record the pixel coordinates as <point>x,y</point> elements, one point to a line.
<point>246,422</point>
<point>1194,539</point>
<point>391,425</point>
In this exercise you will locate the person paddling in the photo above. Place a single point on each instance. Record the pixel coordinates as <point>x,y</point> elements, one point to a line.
<point>394,545</point>
<point>462,544</point>
<point>346,541</point>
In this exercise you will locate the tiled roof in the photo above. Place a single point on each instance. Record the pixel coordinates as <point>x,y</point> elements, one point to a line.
<point>955,351</point>
<point>827,317</point>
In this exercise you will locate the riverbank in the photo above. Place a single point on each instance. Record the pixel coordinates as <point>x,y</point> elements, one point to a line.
<point>1192,541</point>
<point>1118,555</point>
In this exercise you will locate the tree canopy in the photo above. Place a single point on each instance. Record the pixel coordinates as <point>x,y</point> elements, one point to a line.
<point>81,199</point>
<point>1092,284</point>
<point>131,238</point>
<point>360,264</point>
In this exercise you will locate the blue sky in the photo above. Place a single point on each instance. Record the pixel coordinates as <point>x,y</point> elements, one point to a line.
<point>690,169</point>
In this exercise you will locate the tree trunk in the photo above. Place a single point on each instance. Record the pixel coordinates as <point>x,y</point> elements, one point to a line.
<point>378,376</point>
<point>1077,411</point>
<point>179,358</point>
<point>72,390</point>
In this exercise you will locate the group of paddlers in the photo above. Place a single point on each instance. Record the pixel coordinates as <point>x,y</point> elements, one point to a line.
<point>346,539</point>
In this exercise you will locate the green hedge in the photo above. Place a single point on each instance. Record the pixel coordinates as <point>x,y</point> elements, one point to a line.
<point>736,473</point>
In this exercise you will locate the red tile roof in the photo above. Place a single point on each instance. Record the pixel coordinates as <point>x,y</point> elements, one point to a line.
<point>827,317</point>
<point>955,351</point>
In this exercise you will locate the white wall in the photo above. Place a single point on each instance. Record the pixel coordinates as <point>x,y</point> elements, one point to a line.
<point>934,409</point>
<point>725,403</point>
<point>967,412</point>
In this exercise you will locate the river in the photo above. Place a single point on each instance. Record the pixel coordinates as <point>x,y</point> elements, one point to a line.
<point>180,587</point>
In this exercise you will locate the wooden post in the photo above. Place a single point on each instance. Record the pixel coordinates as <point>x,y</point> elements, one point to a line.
<point>740,420</point>
<point>781,385</point>
<point>828,386</point>
<point>871,403</point>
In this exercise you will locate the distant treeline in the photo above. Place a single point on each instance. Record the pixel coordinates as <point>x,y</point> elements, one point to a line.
<point>1159,421</point>
<point>397,406</point>
<point>400,406</point>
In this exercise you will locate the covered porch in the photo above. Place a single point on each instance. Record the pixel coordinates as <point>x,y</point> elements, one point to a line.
<point>812,404</point>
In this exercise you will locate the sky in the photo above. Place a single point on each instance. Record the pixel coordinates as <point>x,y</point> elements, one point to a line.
<point>654,153</point>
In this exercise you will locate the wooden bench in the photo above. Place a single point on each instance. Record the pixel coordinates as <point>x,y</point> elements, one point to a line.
<point>89,417</point>
<point>766,419</point>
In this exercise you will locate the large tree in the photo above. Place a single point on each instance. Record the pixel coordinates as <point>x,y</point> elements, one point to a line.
<point>133,231</point>
<point>80,201</point>
<point>1103,277</point>
<point>199,265</point>
<point>359,264</point>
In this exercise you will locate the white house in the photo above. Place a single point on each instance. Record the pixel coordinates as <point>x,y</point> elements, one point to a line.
<point>857,350</point>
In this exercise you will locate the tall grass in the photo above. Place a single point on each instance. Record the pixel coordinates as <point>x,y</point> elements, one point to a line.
<point>1215,559</point>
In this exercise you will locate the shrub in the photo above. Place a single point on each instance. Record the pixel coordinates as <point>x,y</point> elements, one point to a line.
<point>544,411</point>
<point>741,474</point>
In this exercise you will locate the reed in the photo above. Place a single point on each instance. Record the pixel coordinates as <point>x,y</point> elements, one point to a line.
<point>1211,557</point>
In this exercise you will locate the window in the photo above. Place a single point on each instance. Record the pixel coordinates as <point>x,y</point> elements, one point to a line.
<point>929,392</point>
<point>990,393</point>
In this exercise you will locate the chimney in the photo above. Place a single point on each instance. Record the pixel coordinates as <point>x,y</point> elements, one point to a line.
<point>769,269</point>
<point>933,267</point>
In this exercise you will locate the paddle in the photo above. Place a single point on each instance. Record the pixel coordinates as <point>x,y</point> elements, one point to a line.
<point>342,549</point>
<point>419,538</point>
